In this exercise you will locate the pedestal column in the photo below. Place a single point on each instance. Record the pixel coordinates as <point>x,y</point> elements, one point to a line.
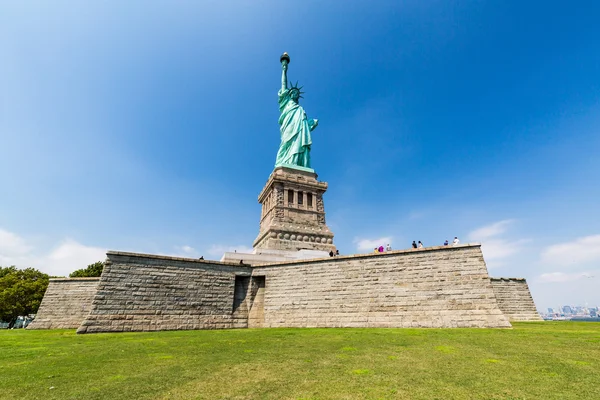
<point>291,226</point>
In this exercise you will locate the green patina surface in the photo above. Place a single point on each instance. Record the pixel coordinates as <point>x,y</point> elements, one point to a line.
<point>545,360</point>
<point>295,126</point>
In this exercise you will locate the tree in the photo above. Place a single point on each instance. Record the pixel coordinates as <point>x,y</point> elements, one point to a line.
<point>92,270</point>
<point>21,292</point>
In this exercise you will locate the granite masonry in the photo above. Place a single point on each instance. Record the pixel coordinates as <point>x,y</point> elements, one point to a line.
<point>66,303</point>
<point>443,286</point>
<point>514,299</point>
<point>292,220</point>
<point>437,287</point>
<point>293,212</point>
<point>141,292</point>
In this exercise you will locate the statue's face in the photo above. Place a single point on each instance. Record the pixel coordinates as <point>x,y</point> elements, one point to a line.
<point>295,95</point>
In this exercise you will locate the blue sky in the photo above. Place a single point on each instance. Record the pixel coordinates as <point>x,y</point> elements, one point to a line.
<point>152,127</point>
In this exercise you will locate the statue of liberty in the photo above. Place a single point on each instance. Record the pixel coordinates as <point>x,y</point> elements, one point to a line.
<point>294,150</point>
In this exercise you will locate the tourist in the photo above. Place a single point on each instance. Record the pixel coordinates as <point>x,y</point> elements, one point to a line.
<point>446,242</point>
<point>201,258</point>
<point>376,250</point>
<point>414,245</point>
<point>420,245</point>
<point>331,253</point>
<point>381,249</point>
<point>337,253</point>
<point>388,247</point>
<point>455,241</point>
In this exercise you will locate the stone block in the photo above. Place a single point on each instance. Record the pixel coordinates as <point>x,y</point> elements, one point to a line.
<point>380,285</point>
<point>66,303</point>
<point>514,299</point>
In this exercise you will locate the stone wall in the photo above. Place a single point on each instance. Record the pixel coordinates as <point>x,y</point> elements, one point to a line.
<point>66,303</point>
<point>141,292</point>
<point>514,299</point>
<point>443,286</point>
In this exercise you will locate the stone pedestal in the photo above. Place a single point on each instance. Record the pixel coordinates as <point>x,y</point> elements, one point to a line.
<point>293,213</point>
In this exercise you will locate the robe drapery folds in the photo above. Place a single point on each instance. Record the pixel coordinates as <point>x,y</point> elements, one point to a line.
<point>295,132</point>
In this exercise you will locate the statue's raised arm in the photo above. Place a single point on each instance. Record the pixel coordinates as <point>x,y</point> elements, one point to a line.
<point>285,60</point>
<point>295,127</point>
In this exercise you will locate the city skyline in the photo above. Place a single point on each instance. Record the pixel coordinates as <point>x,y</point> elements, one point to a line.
<point>569,311</point>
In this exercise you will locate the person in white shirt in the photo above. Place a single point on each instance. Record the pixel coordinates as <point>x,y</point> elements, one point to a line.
<point>455,241</point>
<point>388,247</point>
<point>420,245</point>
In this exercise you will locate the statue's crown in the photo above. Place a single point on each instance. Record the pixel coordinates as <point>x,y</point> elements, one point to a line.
<point>295,87</point>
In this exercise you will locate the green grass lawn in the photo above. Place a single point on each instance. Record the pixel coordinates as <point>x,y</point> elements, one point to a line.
<point>546,360</point>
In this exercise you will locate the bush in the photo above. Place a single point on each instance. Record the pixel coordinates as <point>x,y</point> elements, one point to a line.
<point>92,271</point>
<point>21,292</point>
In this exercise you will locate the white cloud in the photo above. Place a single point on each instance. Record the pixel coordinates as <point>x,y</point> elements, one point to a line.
<point>579,251</point>
<point>496,248</point>
<point>12,244</point>
<point>488,231</point>
<point>65,258</point>
<point>184,251</point>
<point>68,257</point>
<point>565,277</point>
<point>499,248</point>
<point>187,249</point>
<point>370,244</point>
<point>219,250</point>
